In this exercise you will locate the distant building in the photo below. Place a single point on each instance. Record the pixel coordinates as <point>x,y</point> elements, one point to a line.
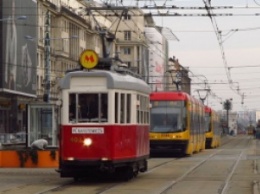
<point>177,75</point>
<point>232,123</point>
<point>257,115</point>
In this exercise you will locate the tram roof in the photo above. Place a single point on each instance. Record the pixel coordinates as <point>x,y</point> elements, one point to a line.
<point>169,95</point>
<point>210,109</point>
<point>176,95</point>
<point>114,80</point>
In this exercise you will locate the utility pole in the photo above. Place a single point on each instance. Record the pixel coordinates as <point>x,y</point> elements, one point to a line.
<point>227,107</point>
<point>47,47</point>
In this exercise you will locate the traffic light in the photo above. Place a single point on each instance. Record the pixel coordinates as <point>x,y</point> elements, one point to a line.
<point>227,105</point>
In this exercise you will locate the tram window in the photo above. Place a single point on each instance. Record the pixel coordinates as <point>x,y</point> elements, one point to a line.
<point>122,109</point>
<point>72,107</point>
<point>104,107</point>
<point>88,104</point>
<point>138,110</point>
<point>147,109</point>
<point>88,107</point>
<point>142,109</point>
<point>116,107</point>
<point>128,108</point>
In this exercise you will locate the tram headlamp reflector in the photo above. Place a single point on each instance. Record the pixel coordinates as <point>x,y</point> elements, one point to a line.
<point>70,158</point>
<point>104,159</point>
<point>87,142</point>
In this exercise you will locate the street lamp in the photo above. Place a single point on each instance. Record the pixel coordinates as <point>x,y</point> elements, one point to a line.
<point>227,105</point>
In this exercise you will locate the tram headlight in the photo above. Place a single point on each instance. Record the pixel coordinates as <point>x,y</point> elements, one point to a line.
<point>87,142</point>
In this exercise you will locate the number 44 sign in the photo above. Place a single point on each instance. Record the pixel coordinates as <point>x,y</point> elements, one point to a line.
<point>88,59</point>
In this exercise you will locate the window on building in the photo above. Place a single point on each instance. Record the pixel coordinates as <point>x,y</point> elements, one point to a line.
<point>39,59</point>
<point>38,85</point>
<point>127,17</point>
<point>127,50</point>
<point>127,35</point>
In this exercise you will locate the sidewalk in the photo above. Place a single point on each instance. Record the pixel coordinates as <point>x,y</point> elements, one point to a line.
<point>28,171</point>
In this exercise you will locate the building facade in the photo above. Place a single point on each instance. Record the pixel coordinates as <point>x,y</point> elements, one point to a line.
<point>37,51</point>
<point>42,39</point>
<point>18,60</point>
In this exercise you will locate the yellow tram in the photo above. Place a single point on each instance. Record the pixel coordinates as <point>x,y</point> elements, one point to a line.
<point>177,123</point>
<point>213,129</point>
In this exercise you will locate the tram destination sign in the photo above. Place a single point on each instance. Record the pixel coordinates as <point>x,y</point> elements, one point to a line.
<point>87,130</point>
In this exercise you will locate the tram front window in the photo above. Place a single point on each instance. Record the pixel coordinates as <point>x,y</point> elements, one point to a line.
<point>165,119</point>
<point>88,104</point>
<point>91,107</point>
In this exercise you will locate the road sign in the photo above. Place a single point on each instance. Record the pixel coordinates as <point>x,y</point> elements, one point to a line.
<point>88,59</point>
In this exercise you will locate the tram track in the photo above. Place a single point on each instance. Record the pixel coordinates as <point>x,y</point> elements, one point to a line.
<point>148,171</point>
<point>164,191</point>
<point>225,186</point>
<point>104,186</point>
<point>255,182</point>
<point>109,186</point>
<point>232,168</point>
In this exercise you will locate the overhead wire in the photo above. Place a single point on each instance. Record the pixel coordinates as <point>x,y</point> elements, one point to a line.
<point>220,41</point>
<point>222,35</point>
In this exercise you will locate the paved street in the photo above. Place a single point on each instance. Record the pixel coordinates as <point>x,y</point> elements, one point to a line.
<point>232,168</point>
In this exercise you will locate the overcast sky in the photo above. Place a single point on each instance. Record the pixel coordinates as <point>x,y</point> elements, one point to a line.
<point>198,48</point>
<point>228,60</point>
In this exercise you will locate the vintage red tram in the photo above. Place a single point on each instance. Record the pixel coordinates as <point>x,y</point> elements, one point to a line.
<point>104,124</point>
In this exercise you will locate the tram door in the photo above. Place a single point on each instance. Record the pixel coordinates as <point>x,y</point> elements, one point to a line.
<point>42,123</point>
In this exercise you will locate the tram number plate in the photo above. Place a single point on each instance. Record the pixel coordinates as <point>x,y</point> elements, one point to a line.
<point>87,130</point>
<point>166,135</point>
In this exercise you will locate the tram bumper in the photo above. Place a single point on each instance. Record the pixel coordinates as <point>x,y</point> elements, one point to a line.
<point>168,146</point>
<point>84,168</point>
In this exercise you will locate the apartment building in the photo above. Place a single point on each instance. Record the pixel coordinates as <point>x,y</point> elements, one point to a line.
<point>51,38</point>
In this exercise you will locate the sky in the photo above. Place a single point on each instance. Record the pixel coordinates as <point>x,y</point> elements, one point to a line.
<point>229,64</point>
